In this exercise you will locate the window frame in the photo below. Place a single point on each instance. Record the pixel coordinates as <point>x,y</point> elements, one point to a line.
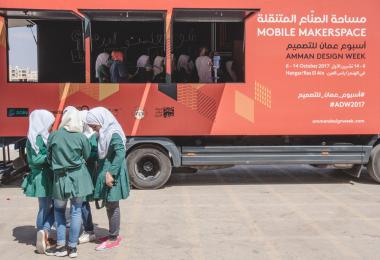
<point>88,18</point>
<point>250,12</point>
<point>3,13</point>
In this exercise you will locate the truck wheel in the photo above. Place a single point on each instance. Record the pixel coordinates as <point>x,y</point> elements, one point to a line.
<point>149,168</point>
<point>374,164</point>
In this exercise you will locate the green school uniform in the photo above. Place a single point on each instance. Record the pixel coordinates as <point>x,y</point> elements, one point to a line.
<point>92,161</point>
<point>39,182</point>
<point>114,163</point>
<point>67,153</point>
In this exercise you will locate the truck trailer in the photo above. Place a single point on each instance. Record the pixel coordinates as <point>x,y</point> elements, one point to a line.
<point>293,82</point>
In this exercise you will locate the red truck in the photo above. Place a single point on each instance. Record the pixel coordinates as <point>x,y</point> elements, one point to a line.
<point>291,82</point>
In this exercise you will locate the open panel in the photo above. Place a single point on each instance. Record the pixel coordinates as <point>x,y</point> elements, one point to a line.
<point>136,34</point>
<point>57,46</point>
<point>209,45</point>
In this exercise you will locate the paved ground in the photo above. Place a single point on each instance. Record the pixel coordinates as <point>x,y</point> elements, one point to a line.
<point>287,212</point>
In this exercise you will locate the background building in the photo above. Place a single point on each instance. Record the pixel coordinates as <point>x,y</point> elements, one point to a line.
<point>17,74</point>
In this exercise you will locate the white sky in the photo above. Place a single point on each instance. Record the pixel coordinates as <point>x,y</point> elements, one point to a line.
<point>22,47</point>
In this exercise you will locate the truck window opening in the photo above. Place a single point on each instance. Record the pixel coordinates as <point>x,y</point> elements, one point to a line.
<point>56,47</point>
<point>221,39</point>
<point>22,54</point>
<point>127,46</point>
<point>208,46</point>
<point>139,43</point>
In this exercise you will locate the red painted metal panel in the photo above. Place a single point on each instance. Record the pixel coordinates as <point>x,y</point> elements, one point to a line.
<point>290,88</point>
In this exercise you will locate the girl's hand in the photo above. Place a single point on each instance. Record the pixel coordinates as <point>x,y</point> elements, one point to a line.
<point>109,180</point>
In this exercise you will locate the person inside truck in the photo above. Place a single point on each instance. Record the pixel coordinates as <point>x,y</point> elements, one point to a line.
<point>203,65</point>
<point>102,67</point>
<point>185,66</point>
<point>112,183</point>
<point>144,72</point>
<point>158,68</point>
<point>68,150</point>
<point>38,183</point>
<point>231,74</point>
<point>118,69</point>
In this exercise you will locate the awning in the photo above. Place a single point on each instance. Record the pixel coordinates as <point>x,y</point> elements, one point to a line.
<point>29,14</point>
<point>212,15</point>
<point>124,15</point>
<point>12,23</point>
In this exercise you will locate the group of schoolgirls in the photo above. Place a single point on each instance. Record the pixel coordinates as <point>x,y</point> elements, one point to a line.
<point>82,161</point>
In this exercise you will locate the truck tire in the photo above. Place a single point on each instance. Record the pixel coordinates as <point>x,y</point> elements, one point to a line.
<point>374,164</point>
<point>149,168</point>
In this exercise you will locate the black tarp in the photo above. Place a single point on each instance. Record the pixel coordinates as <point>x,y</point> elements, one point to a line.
<point>60,51</point>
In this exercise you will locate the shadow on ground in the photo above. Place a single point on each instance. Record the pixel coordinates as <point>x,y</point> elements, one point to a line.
<point>262,175</point>
<point>259,175</point>
<point>27,234</point>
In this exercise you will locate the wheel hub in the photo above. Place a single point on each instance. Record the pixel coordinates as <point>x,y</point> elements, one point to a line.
<point>148,166</point>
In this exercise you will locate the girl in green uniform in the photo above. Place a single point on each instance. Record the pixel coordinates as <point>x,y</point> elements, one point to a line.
<point>88,233</point>
<point>39,182</point>
<point>68,150</point>
<point>112,182</point>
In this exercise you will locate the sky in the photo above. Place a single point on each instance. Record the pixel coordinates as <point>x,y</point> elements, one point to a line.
<point>23,49</point>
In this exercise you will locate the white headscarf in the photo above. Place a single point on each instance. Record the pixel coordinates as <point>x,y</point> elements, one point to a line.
<point>185,63</point>
<point>87,131</point>
<point>40,121</point>
<point>68,108</point>
<point>102,59</point>
<point>143,61</point>
<point>158,65</point>
<point>109,126</point>
<point>71,121</point>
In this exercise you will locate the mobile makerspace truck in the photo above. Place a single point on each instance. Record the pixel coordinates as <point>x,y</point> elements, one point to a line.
<point>301,87</point>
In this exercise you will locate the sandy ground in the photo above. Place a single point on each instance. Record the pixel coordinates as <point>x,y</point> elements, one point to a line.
<point>250,212</point>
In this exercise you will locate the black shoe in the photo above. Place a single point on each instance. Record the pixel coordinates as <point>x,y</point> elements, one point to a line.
<point>72,252</point>
<point>56,251</point>
<point>50,251</point>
